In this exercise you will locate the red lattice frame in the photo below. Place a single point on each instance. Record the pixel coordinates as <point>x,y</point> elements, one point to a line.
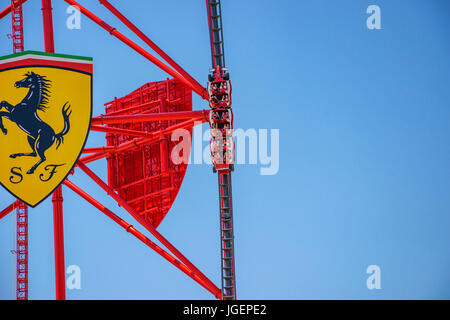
<point>126,125</point>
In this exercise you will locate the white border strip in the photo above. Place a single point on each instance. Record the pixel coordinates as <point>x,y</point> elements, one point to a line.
<point>38,57</point>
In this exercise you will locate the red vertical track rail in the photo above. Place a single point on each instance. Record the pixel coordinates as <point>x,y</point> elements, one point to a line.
<point>22,251</point>
<point>216,33</point>
<point>58,225</point>
<point>227,235</point>
<point>21,208</point>
<point>222,145</point>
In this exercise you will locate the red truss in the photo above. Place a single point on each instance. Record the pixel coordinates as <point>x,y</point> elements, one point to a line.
<point>145,177</point>
<point>142,177</point>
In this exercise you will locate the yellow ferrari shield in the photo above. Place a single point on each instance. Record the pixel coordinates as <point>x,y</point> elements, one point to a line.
<point>45,114</point>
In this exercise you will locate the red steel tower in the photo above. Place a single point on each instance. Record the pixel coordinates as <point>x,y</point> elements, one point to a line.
<point>141,178</point>
<point>17,25</point>
<point>22,251</point>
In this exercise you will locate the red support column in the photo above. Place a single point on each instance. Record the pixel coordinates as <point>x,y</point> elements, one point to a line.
<point>58,226</point>
<point>17,26</point>
<point>58,229</point>
<point>7,10</point>
<point>48,25</point>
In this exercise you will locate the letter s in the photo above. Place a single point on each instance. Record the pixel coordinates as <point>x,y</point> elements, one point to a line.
<point>16,171</point>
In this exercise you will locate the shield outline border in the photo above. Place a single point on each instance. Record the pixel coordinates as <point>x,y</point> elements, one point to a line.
<point>47,54</point>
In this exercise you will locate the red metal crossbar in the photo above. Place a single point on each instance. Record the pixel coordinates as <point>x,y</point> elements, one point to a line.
<point>98,149</point>
<point>127,132</point>
<point>180,115</point>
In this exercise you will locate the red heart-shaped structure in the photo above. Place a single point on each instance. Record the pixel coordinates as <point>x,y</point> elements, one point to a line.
<point>145,176</point>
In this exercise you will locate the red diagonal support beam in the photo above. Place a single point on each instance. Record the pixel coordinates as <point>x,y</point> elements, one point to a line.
<point>201,91</point>
<point>149,227</point>
<point>8,209</point>
<point>7,10</point>
<point>149,42</point>
<point>129,228</point>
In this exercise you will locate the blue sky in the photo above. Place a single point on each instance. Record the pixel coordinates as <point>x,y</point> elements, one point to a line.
<point>364,156</point>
